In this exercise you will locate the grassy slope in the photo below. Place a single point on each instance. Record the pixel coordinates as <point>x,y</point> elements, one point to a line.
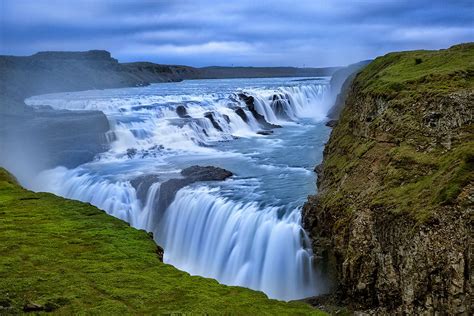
<point>415,74</point>
<point>400,165</point>
<point>70,257</point>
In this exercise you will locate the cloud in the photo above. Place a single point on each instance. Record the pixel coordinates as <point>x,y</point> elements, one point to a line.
<point>240,32</point>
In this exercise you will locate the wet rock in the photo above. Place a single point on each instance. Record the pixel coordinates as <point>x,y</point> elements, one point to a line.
<point>142,184</point>
<point>240,112</point>
<point>182,112</point>
<point>267,132</point>
<point>190,175</point>
<point>331,123</point>
<point>318,169</point>
<point>211,118</point>
<point>249,101</point>
<point>208,173</point>
<point>159,250</point>
<point>279,105</point>
<point>131,152</point>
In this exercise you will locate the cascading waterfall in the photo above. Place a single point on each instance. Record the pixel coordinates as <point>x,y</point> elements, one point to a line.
<point>238,242</point>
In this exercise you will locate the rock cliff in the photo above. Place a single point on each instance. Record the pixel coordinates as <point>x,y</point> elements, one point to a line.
<point>393,215</point>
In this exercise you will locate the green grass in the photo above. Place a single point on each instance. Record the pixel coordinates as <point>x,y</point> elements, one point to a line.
<point>417,73</point>
<point>384,154</point>
<point>419,182</point>
<point>71,258</point>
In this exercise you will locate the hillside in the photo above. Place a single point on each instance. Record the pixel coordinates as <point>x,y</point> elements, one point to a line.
<point>393,214</point>
<point>69,257</point>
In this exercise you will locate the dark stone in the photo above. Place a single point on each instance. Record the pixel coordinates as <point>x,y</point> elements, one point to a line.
<point>160,252</point>
<point>142,184</point>
<point>240,112</point>
<point>51,306</point>
<point>208,173</point>
<point>191,175</point>
<point>318,169</point>
<point>32,307</point>
<point>227,118</point>
<point>331,123</point>
<point>265,132</point>
<point>210,117</point>
<point>249,101</point>
<point>131,152</point>
<point>5,303</point>
<point>182,112</point>
<point>278,106</point>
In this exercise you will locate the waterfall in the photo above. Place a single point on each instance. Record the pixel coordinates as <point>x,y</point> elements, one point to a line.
<point>144,124</point>
<point>237,242</point>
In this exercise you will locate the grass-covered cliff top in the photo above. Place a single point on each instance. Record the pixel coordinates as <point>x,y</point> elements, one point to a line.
<point>69,257</point>
<point>404,142</point>
<point>416,73</point>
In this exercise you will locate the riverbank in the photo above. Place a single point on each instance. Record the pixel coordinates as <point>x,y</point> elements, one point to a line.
<point>69,257</point>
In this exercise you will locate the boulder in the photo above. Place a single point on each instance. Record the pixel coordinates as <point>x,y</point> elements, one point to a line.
<point>211,118</point>
<point>240,112</point>
<point>249,101</point>
<point>142,184</point>
<point>169,187</point>
<point>182,112</point>
<point>190,175</point>
<point>331,123</point>
<point>32,307</point>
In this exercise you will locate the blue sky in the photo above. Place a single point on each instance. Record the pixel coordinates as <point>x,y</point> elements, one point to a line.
<point>239,32</point>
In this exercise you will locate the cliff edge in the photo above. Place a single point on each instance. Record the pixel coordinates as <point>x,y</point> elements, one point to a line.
<point>68,257</point>
<point>393,215</point>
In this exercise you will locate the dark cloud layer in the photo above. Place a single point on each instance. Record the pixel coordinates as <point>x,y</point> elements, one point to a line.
<point>240,32</point>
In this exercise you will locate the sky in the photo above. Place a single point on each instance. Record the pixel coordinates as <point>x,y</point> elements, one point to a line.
<point>235,32</point>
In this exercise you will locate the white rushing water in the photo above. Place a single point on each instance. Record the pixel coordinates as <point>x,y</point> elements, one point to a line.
<point>238,243</point>
<point>244,231</point>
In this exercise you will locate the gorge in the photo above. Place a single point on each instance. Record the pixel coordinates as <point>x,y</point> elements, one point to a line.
<point>244,231</point>
<point>218,171</point>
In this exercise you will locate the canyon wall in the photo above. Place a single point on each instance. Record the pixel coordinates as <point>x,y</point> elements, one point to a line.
<point>393,213</point>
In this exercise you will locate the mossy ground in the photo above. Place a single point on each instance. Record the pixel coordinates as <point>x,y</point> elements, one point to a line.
<point>384,153</point>
<point>71,258</point>
<point>420,73</point>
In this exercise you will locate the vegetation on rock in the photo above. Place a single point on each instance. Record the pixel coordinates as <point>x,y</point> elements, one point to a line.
<point>396,184</point>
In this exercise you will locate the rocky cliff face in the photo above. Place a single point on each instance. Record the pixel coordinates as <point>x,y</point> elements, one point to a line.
<point>393,216</point>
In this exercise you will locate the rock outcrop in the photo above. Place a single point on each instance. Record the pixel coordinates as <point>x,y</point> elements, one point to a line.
<point>393,215</point>
<point>250,103</point>
<point>169,187</point>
